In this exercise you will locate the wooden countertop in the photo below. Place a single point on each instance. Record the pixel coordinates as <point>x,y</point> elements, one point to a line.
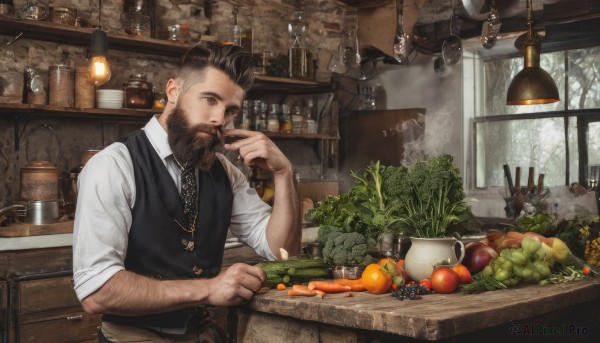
<point>435,316</point>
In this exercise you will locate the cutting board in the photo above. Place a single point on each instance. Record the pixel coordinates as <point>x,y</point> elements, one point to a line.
<point>24,230</point>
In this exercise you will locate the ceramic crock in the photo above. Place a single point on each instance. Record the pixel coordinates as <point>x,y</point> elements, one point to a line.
<point>39,181</point>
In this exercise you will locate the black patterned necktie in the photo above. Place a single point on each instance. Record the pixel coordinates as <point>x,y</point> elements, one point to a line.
<point>188,193</point>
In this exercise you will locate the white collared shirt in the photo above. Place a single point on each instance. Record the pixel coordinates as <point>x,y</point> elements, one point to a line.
<point>106,195</point>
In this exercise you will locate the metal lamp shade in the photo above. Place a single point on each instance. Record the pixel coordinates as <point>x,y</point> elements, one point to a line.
<point>99,46</point>
<point>532,85</point>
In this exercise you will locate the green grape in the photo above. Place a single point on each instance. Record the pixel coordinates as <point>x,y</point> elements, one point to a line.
<point>527,272</point>
<point>501,275</point>
<point>518,258</point>
<point>488,270</point>
<point>542,269</point>
<point>507,265</point>
<point>518,270</point>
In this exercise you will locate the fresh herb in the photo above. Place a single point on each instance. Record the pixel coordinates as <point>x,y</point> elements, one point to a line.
<point>481,283</point>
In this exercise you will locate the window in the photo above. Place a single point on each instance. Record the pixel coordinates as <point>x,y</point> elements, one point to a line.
<point>561,140</point>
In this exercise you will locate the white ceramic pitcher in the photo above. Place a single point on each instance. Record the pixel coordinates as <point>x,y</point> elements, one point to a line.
<point>425,253</point>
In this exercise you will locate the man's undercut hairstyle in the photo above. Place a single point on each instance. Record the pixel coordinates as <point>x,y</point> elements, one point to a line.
<point>228,58</point>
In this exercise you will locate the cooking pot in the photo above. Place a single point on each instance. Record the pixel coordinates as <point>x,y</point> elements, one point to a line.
<point>42,212</point>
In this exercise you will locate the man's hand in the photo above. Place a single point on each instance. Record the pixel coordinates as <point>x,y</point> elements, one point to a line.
<point>257,150</point>
<point>236,285</point>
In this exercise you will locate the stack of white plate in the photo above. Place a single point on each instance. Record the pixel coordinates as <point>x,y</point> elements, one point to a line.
<point>109,98</point>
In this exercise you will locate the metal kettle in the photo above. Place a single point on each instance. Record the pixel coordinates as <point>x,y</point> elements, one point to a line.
<point>39,179</point>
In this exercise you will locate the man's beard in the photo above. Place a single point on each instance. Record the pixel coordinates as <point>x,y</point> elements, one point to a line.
<point>187,148</point>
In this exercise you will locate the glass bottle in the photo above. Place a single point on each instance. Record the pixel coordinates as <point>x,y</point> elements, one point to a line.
<point>311,124</point>
<point>273,118</point>
<point>297,53</point>
<point>261,115</point>
<point>285,121</point>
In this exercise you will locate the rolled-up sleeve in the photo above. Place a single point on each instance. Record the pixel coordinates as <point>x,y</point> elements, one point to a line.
<point>106,192</point>
<point>250,214</point>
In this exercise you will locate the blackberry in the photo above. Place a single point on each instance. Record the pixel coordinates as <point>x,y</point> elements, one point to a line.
<point>412,292</point>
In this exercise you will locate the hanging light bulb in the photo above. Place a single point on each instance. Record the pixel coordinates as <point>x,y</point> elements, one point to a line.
<point>532,85</point>
<point>99,67</point>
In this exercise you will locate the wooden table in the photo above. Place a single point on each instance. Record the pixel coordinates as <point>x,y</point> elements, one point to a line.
<point>542,312</point>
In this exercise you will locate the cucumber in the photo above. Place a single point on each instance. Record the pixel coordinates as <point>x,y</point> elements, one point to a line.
<point>294,271</point>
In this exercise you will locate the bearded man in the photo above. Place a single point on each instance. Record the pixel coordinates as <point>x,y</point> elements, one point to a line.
<point>154,210</point>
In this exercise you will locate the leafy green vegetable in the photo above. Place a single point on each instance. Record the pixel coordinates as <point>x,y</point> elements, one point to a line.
<point>349,249</point>
<point>429,196</point>
<point>425,199</point>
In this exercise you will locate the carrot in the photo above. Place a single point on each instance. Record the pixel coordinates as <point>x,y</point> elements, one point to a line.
<point>295,293</point>
<point>328,286</point>
<point>301,290</point>
<point>320,294</point>
<point>281,287</point>
<point>355,285</point>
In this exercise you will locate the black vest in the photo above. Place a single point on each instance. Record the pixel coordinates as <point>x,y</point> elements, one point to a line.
<point>155,246</point>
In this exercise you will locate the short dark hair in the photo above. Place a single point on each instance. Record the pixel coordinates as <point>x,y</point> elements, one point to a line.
<point>230,59</point>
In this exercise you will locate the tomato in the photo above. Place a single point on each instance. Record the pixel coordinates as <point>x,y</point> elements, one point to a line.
<point>463,273</point>
<point>400,263</point>
<point>444,280</point>
<point>376,279</point>
<point>426,283</point>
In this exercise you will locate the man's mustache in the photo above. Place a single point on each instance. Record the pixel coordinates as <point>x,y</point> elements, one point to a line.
<point>211,130</point>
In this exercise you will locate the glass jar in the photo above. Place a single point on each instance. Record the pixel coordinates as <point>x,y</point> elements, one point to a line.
<point>37,86</point>
<point>138,92</point>
<point>179,33</point>
<point>85,90</point>
<point>64,15</point>
<point>61,86</point>
<point>138,25</point>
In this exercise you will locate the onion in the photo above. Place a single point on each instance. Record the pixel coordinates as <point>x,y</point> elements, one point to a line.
<point>477,256</point>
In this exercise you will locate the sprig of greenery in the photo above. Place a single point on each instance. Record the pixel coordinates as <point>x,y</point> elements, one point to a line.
<point>481,283</point>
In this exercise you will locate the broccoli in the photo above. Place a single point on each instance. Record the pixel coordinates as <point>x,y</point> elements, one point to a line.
<point>349,249</point>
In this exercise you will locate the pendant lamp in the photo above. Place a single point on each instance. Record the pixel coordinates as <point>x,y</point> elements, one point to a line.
<point>99,67</point>
<point>532,85</point>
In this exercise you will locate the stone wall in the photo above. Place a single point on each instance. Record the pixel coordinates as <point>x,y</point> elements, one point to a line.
<point>76,134</point>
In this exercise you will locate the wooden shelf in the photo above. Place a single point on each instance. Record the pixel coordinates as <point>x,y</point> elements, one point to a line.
<point>7,109</point>
<point>61,33</point>
<point>279,135</point>
<point>123,113</point>
<point>289,85</point>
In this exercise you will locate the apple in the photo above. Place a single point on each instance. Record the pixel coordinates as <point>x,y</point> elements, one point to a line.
<point>477,256</point>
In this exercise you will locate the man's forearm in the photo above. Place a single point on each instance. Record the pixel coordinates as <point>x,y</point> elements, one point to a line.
<point>283,230</point>
<point>127,293</point>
